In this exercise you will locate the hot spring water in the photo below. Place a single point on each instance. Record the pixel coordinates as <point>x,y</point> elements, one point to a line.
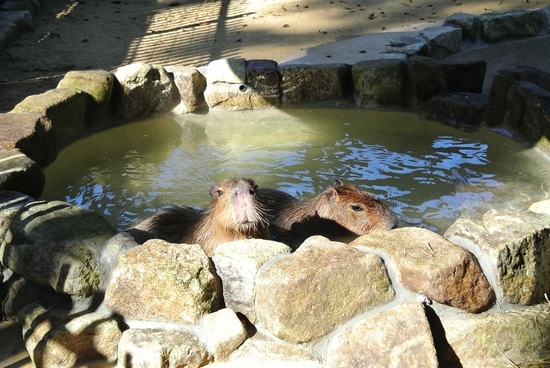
<point>426,172</point>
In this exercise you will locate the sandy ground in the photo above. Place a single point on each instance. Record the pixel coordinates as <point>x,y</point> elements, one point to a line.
<point>97,34</point>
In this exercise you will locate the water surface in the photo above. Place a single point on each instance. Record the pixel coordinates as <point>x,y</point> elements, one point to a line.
<point>426,172</point>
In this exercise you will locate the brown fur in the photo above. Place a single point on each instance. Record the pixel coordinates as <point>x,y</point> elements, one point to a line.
<point>235,214</point>
<point>339,211</point>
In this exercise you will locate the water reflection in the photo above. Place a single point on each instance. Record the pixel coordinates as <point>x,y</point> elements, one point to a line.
<point>428,173</point>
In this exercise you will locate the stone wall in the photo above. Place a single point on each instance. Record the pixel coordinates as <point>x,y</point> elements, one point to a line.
<point>476,296</point>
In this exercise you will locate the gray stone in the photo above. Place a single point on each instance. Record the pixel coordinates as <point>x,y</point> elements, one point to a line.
<point>469,23</point>
<point>161,348</point>
<point>57,246</point>
<point>191,85</point>
<point>18,172</point>
<point>8,33</point>
<point>518,338</point>
<point>304,296</point>
<point>408,46</point>
<point>517,245</point>
<point>458,109</point>
<point>145,90</point>
<point>64,107</point>
<point>23,19</point>
<point>98,85</point>
<point>17,5</point>
<point>431,265</point>
<point>427,77</point>
<point>222,333</point>
<point>237,264</point>
<point>54,338</point>
<point>31,133</point>
<point>399,337</point>
<point>542,207</point>
<point>264,79</point>
<point>232,71</point>
<point>442,41</point>
<point>228,96</point>
<point>529,113</point>
<point>512,24</point>
<point>380,83</point>
<point>165,282</point>
<point>302,84</point>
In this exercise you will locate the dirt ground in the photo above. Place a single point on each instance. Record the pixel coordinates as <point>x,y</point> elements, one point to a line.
<point>97,34</point>
<point>93,34</point>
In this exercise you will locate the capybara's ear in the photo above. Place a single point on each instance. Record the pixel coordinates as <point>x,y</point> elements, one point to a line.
<point>338,182</point>
<point>331,193</point>
<point>215,191</point>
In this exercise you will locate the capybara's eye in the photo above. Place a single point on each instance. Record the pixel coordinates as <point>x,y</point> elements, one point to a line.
<point>219,191</point>
<point>356,208</point>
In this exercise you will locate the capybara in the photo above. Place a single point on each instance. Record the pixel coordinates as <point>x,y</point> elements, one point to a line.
<point>340,211</point>
<point>234,214</point>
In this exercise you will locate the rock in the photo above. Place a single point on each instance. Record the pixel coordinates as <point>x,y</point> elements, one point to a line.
<point>380,83</point>
<point>165,282</point>
<point>18,172</point>
<point>503,80</point>
<point>512,24</point>
<point>469,23</point>
<point>304,296</point>
<point>144,90</point>
<point>464,76</point>
<point>458,109</point>
<point>399,337</point>
<point>23,19</point>
<point>517,244</point>
<point>54,338</point>
<point>264,79</point>
<point>431,265</point>
<point>32,134</point>
<point>542,207</point>
<point>261,347</point>
<point>529,113</point>
<point>519,338</point>
<point>223,333</point>
<point>8,33</point>
<point>57,246</point>
<point>426,76</point>
<point>232,71</point>
<point>302,84</point>
<point>407,45</point>
<point>442,41</point>
<point>98,85</point>
<point>228,96</point>
<point>161,348</point>
<point>191,86</point>
<point>64,107</point>
<point>237,264</point>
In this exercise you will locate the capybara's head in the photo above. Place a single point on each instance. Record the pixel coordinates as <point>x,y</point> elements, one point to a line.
<point>236,205</point>
<point>356,210</point>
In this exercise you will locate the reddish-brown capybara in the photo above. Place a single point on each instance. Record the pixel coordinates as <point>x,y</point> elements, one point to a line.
<point>235,214</point>
<point>340,211</point>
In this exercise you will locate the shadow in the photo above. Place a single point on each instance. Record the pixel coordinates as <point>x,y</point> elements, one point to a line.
<point>445,353</point>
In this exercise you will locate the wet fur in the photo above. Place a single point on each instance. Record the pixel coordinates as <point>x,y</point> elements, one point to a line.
<point>340,211</point>
<point>208,227</point>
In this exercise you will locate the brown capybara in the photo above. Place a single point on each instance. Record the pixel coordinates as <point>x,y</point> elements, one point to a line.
<point>235,214</point>
<point>339,212</point>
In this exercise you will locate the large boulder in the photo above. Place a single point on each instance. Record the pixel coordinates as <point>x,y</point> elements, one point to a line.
<point>398,337</point>
<point>459,109</point>
<point>516,244</point>
<point>431,265</point>
<point>427,77</point>
<point>32,134</point>
<point>237,264</point>
<point>442,41</point>
<point>60,247</point>
<point>143,90</point>
<point>382,82</point>
<point>165,282</point>
<point>191,84</point>
<point>469,23</point>
<point>512,24</point>
<point>18,172</point>
<point>264,79</point>
<point>304,296</point>
<point>64,107</point>
<point>98,85</point>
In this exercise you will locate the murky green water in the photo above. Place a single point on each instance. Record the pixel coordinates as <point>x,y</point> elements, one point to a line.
<point>426,172</point>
